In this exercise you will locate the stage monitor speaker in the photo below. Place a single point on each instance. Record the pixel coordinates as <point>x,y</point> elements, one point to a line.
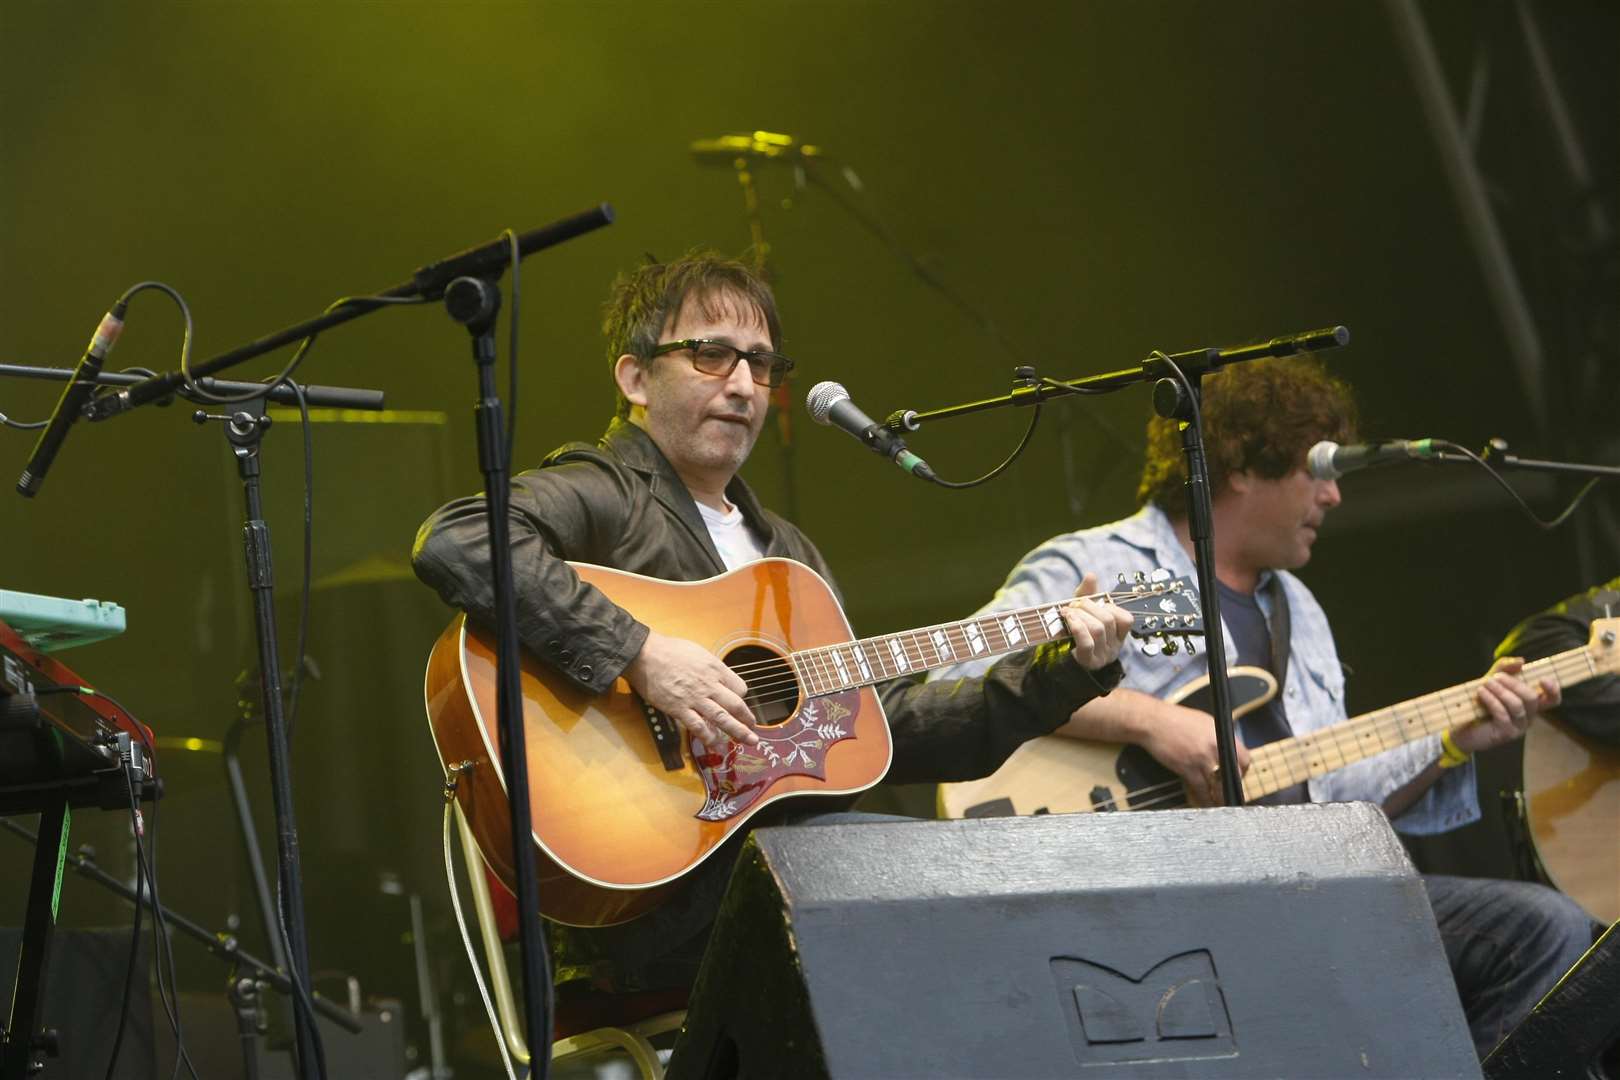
<point>84,995</point>
<point>1292,941</point>
<point>1575,1030</point>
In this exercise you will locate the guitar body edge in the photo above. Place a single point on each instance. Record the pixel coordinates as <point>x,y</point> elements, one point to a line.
<point>616,828</point>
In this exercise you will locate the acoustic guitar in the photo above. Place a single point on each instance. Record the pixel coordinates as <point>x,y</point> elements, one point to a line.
<point>1059,775</point>
<point>1572,807</point>
<point>625,803</point>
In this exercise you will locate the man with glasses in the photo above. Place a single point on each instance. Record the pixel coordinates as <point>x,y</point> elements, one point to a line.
<point>693,349</point>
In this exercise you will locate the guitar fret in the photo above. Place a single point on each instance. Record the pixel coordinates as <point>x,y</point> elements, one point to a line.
<point>915,639</point>
<point>1011,630</point>
<point>824,674</point>
<point>838,665</point>
<point>804,676</point>
<point>871,660</point>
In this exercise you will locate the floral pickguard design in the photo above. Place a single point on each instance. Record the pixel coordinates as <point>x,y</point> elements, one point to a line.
<point>735,778</point>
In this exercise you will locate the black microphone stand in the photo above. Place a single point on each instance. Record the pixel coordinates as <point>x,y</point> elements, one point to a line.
<point>1173,400</point>
<point>474,302</point>
<point>1497,455</point>
<point>244,430</point>
<point>320,397</point>
<point>430,282</point>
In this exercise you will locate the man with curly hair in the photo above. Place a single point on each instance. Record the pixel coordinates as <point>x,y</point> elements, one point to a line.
<point>1507,942</point>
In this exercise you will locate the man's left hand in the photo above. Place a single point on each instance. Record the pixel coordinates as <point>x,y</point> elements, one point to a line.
<point>1099,630</point>
<point>1510,704</point>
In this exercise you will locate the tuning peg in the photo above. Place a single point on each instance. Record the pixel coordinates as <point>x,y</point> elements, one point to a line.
<point>1170,646</point>
<point>1192,647</point>
<point>1161,574</point>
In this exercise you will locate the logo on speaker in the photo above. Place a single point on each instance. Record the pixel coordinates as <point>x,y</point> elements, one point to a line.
<point>1174,1011</point>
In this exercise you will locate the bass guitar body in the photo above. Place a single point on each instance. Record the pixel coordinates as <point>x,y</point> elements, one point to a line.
<point>1059,775</point>
<point>623,801</point>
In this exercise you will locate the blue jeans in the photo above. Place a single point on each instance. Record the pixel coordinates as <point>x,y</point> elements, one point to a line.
<point>1507,943</point>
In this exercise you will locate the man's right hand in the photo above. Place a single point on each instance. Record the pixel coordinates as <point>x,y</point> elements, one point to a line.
<point>689,684</point>
<point>1179,738</point>
<point>1183,741</point>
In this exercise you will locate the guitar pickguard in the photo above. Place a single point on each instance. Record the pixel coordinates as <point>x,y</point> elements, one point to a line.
<point>735,778</point>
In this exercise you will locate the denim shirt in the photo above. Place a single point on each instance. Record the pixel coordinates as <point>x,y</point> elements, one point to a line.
<point>1314,688</point>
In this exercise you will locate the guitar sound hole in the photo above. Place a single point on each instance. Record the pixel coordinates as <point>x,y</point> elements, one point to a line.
<point>773,688</point>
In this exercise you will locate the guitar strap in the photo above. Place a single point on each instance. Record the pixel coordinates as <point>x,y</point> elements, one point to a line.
<point>1280,629</point>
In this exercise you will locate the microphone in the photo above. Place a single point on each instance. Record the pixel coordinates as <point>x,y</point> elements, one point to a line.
<point>829,404</point>
<point>74,396</point>
<point>760,145</point>
<point>1328,460</point>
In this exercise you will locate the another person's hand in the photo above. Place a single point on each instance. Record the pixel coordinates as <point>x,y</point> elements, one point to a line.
<point>1510,704</point>
<point>690,685</point>
<point>1099,630</point>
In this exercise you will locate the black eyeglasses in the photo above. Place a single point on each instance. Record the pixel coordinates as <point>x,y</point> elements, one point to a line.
<point>718,358</point>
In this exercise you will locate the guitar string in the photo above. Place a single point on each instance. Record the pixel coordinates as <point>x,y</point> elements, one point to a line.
<point>1024,616</point>
<point>1174,791</point>
<point>1391,720</point>
<point>779,673</point>
<point>783,681</point>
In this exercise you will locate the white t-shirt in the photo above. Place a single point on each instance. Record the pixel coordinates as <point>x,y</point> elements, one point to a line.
<point>732,537</point>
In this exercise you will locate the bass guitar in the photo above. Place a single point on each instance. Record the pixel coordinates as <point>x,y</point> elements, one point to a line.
<point>1059,775</point>
<point>625,803</point>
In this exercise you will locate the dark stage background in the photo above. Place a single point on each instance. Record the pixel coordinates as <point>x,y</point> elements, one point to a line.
<point>1099,180</point>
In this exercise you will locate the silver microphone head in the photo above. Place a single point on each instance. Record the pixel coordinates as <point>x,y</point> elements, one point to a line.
<point>1319,461</point>
<point>822,397</point>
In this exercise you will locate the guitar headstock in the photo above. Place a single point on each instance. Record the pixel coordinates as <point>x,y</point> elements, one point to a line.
<point>1166,608</point>
<point>1604,645</point>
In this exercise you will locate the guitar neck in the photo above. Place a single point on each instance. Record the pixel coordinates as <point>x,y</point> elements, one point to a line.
<point>852,664</point>
<point>1286,762</point>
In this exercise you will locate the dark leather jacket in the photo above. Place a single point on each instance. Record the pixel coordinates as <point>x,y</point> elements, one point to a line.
<point>620,504</point>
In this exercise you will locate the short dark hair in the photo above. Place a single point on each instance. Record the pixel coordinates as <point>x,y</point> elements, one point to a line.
<point>644,300</point>
<point>1260,417</point>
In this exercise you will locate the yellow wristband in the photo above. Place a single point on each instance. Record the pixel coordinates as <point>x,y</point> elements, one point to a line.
<point>1450,756</point>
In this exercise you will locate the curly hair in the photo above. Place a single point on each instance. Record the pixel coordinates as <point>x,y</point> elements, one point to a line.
<point>1260,417</point>
<point>644,301</point>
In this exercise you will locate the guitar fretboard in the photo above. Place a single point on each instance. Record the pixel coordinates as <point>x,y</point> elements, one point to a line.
<point>851,664</point>
<point>1287,762</point>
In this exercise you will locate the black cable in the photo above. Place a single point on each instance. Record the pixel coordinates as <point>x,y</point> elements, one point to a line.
<point>309,547</point>
<point>196,393</point>
<point>1546,526</point>
<point>34,425</point>
<point>135,937</point>
<point>1035,417</point>
<point>296,978</point>
<point>163,949</point>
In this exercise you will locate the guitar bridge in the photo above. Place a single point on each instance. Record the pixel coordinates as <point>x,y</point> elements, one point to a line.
<point>666,736</point>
